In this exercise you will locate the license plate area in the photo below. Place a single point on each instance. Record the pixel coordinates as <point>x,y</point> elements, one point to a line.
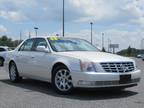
<point>125,79</point>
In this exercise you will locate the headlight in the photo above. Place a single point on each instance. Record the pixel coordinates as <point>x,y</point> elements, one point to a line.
<point>135,65</point>
<point>87,66</point>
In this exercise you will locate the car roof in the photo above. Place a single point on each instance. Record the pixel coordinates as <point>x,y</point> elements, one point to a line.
<point>52,37</point>
<point>44,36</point>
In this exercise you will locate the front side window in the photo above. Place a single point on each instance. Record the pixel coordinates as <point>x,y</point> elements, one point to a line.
<point>9,49</point>
<point>70,44</point>
<point>27,45</point>
<point>39,42</point>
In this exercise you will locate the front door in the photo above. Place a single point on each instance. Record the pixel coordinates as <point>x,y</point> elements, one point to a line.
<point>40,60</point>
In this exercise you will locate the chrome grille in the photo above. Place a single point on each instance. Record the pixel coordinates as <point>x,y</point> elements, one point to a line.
<point>120,67</point>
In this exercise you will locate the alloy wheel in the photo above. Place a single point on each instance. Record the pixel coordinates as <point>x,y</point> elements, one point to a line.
<point>63,80</point>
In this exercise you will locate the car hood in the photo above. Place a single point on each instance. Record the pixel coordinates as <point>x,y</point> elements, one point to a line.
<point>95,56</point>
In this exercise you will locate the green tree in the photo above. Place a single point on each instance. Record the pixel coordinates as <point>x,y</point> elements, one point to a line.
<point>129,51</point>
<point>103,49</point>
<point>5,41</point>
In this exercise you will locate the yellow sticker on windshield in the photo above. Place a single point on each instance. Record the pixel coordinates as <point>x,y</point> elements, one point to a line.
<point>53,38</point>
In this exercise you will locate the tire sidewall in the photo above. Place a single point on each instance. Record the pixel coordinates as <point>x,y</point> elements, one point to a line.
<point>16,72</point>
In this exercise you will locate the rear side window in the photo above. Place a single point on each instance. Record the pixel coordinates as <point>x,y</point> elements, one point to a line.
<point>2,49</point>
<point>27,45</point>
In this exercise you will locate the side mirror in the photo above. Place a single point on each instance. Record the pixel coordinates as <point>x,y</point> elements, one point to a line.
<point>42,49</point>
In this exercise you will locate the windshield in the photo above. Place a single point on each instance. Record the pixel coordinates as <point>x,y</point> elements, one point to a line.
<point>70,44</point>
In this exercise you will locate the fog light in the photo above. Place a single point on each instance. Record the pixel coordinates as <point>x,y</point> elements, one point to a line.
<point>88,83</point>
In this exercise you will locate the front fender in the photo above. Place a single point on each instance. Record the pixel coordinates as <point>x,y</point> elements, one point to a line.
<point>71,63</point>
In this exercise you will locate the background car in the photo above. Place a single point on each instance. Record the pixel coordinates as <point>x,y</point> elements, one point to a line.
<point>68,63</point>
<point>142,58</point>
<point>139,56</point>
<point>3,52</point>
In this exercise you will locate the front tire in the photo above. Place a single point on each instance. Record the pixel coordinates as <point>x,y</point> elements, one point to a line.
<point>62,80</point>
<point>13,73</point>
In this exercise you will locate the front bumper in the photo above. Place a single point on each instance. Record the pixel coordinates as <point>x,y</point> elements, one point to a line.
<point>103,79</point>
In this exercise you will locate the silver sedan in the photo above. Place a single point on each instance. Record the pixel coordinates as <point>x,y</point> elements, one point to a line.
<point>68,63</point>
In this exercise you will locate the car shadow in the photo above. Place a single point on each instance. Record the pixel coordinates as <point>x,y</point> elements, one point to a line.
<point>79,94</point>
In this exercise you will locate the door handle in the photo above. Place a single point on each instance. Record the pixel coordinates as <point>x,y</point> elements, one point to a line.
<point>32,57</point>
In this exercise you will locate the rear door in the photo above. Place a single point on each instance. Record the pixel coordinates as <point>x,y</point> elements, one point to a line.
<point>24,56</point>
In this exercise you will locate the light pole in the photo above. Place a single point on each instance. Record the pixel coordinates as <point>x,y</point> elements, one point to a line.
<point>63,19</point>
<point>29,35</point>
<point>36,28</point>
<point>20,36</point>
<point>142,44</point>
<point>109,42</point>
<point>91,23</point>
<point>102,41</point>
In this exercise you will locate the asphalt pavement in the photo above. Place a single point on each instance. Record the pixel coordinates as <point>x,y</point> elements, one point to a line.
<point>37,94</point>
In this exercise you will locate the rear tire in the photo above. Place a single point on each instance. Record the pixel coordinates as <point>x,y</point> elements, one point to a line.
<point>62,80</point>
<point>13,73</point>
